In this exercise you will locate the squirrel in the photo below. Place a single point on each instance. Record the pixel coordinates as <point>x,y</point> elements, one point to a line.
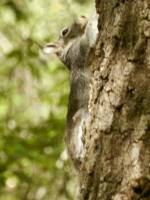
<point>72,48</point>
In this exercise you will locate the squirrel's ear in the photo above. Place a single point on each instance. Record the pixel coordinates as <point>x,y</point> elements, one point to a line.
<point>51,48</point>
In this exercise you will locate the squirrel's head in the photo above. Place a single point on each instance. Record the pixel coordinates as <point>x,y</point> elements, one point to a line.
<point>66,38</point>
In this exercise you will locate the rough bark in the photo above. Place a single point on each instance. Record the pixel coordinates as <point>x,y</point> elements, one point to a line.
<point>117,136</point>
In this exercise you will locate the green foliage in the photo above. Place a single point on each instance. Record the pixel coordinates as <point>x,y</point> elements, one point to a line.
<point>33,100</point>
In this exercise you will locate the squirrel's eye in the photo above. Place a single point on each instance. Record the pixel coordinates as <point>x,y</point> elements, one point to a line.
<point>65,31</point>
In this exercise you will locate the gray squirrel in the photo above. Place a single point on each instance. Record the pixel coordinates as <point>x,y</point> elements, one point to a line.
<point>72,48</point>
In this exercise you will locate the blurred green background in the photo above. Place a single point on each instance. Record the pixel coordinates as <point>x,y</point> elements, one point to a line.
<point>33,100</point>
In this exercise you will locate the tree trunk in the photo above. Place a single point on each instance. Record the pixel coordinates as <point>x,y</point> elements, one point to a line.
<point>117,136</point>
